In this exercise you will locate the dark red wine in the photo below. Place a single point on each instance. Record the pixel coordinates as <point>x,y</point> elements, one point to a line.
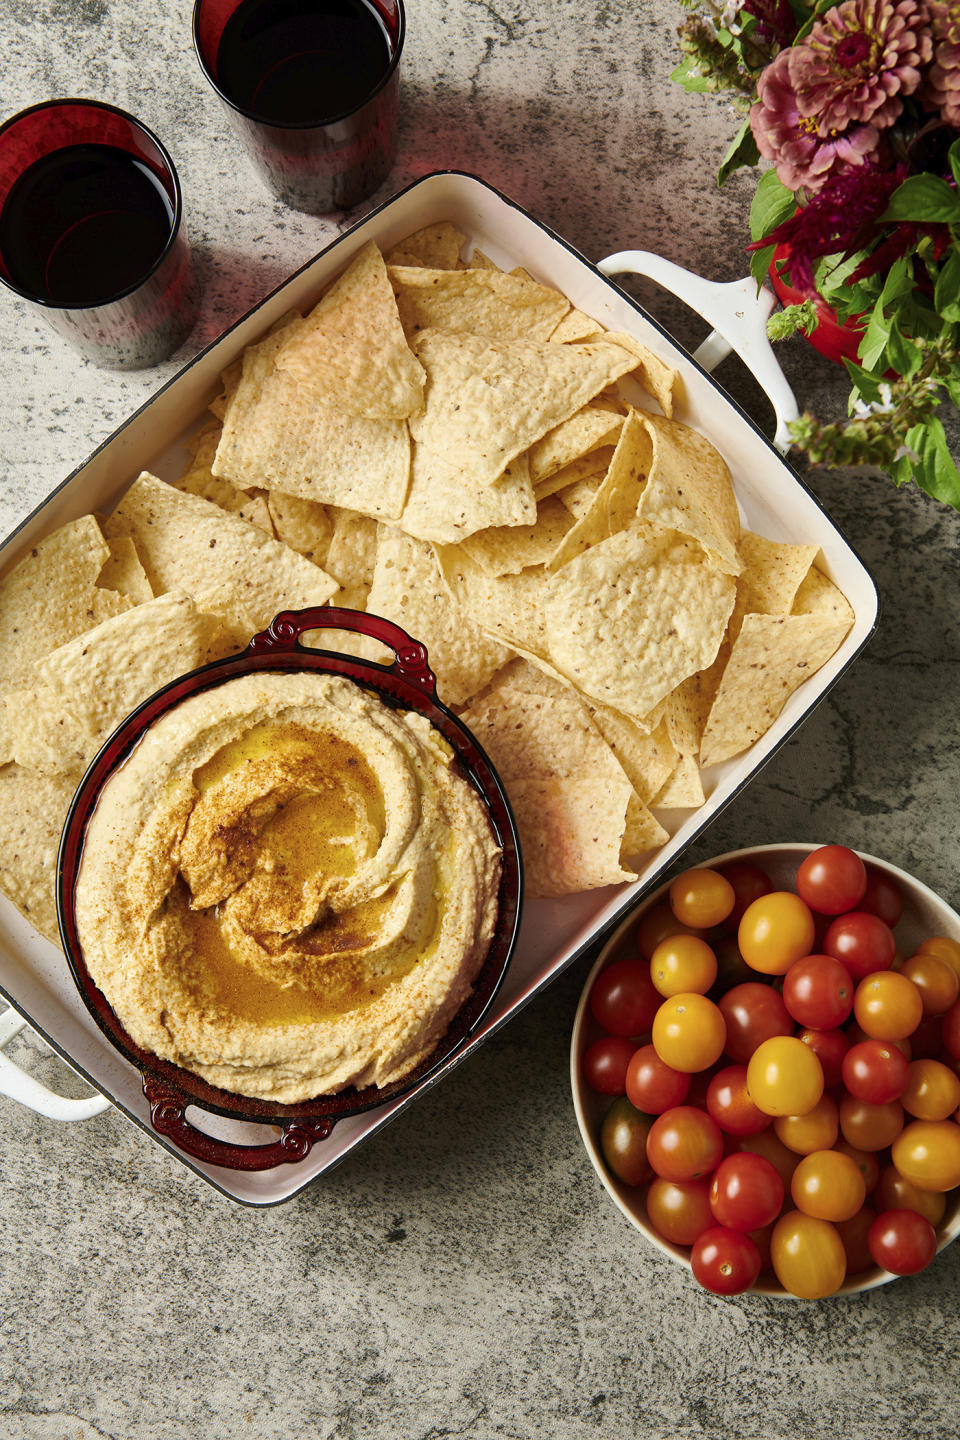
<point>83,225</point>
<point>296,62</point>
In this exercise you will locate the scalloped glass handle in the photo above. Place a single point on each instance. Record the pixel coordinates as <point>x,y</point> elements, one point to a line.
<point>168,1117</point>
<point>285,630</point>
<point>16,1084</point>
<point>738,314</point>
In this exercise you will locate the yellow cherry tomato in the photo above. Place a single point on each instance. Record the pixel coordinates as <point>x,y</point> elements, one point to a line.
<point>784,1077</point>
<point>828,1185</point>
<point>895,1193</point>
<point>701,897</point>
<point>932,1091</point>
<point>935,978</point>
<point>689,1032</point>
<point>807,1256</point>
<point>684,963</point>
<point>887,1005</point>
<point>817,1130</point>
<point>776,930</point>
<point>927,1153</point>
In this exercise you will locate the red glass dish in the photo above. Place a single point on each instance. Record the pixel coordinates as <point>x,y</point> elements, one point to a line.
<point>408,684</point>
<point>322,165</point>
<point>145,320</point>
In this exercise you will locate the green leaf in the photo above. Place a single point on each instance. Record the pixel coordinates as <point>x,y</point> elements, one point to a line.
<point>874,342</point>
<point>772,204</point>
<point>693,84</point>
<point>743,151</point>
<point>899,282</point>
<point>760,263</point>
<point>937,474</point>
<point>924,197</point>
<point>946,296</point>
<point>953,155</point>
<point>864,383</point>
<point>903,355</point>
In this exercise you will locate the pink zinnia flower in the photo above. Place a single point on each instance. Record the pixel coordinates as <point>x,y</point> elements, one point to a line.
<point>805,156</point>
<point>858,62</point>
<point>943,77</point>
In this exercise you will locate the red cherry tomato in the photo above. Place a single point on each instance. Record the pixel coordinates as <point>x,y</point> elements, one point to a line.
<point>829,1046</point>
<point>679,1210</point>
<point>730,1105</point>
<point>854,1235</point>
<point>753,1012</point>
<point>950,1031</point>
<point>605,1064</point>
<point>832,880</point>
<point>724,1261</point>
<point>902,1241</point>
<point>746,1192</point>
<point>862,942</point>
<point>623,1142</point>
<point>749,882</point>
<point>684,1144</point>
<point>875,1071</point>
<point>623,999</point>
<point>653,1086</point>
<point>818,992</point>
<point>882,897</point>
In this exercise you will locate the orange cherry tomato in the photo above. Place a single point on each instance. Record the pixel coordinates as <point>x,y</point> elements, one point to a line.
<point>688,1032</point>
<point>865,1161</point>
<point>817,1130</point>
<point>927,1153</point>
<point>945,947</point>
<point>807,1255</point>
<point>894,1192</point>
<point>701,897</point>
<point>935,978</point>
<point>932,1091</point>
<point>828,1185</point>
<point>887,1005</point>
<point>776,930</point>
<point>870,1127</point>
<point>784,1076</point>
<point>854,1235</point>
<point>767,1144</point>
<point>679,1210</point>
<point>683,964</point>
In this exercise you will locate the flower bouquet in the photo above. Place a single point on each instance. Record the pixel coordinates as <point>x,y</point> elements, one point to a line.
<point>857,108</point>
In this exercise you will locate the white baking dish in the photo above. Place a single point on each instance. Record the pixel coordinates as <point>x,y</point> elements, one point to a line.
<point>33,974</point>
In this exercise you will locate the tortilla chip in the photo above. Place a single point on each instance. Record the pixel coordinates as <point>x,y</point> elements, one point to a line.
<point>483,302</point>
<point>437,246</point>
<point>589,467</point>
<point>486,404</point>
<point>634,615</point>
<point>683,789</point>
<point>124,573</point>
<point>817,595</point>
<point>304,525</point>
<point>642,831</point>
<point>588,429</point>
<point>770,659</point>
<point>507,549</point>
<point>772,573</point>
<point>276,437</point>
<point>352,555</point>
<point>689,489</point>
<point>578,498</point>
<point>190,546</point>
<point>50,594</point>
<point>88,686</point>
<point>571,830</point>
<point>198,479</point>
<point>507,607</point>
<point>658,378</point>
<point>32,811</point>
<point>577,326</point>
<point>616,501</point>
<point>350,352</point>
<point>479,261</point>
<point>408,589</point>
<point>646,759</point>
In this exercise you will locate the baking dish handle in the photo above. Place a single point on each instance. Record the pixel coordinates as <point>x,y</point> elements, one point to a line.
<point>17,1085</point>
<point>168,1117</point>
<point>738,314</point>
<point>285,632</point>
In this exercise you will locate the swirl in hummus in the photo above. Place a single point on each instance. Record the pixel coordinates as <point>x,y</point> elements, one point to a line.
<point>288,887</point>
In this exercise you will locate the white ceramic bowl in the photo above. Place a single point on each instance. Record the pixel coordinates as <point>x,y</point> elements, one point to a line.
<point>924,914</point>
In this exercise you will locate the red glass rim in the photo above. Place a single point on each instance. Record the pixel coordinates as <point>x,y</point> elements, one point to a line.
<point>210,18</point>
<point>116,127</point>
<point>394,689</point>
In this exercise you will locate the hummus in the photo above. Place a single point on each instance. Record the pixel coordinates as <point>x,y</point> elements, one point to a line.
<point>288,887</point>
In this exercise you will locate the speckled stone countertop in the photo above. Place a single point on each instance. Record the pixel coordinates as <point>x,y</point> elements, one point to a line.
<point>463,1273</point>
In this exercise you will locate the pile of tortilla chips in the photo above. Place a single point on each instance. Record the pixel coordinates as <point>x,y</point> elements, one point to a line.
<point>462,451</point>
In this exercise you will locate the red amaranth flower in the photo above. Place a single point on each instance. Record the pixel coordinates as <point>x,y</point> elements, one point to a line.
<point>859,60</point>
<point>776,22</point>
<point>804,156</point>
<point>840,220</point>
<point>943,77</point>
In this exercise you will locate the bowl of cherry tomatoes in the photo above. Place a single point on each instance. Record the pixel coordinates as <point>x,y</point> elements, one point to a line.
<point>765,1065</point>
